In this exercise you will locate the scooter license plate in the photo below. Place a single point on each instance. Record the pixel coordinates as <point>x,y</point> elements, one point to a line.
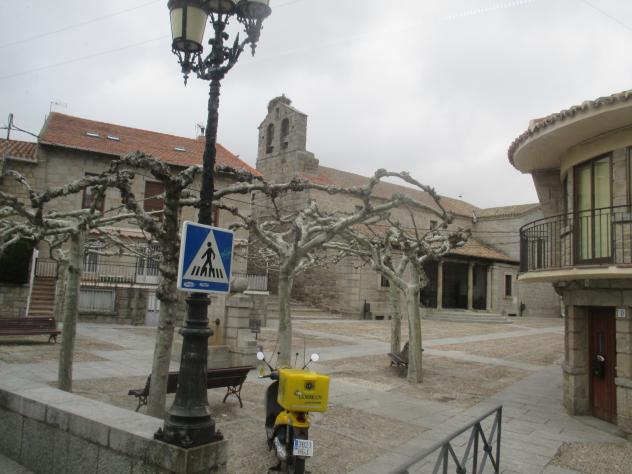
<point>303,447</point>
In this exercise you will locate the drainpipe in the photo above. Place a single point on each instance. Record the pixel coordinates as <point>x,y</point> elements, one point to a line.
<point>31,280</point>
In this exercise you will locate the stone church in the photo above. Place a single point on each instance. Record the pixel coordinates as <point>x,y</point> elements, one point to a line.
<point>475,281</point>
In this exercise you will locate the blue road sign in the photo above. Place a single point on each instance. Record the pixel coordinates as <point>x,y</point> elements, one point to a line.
<point>206,258</point>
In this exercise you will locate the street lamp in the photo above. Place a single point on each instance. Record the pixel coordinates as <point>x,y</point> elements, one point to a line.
<point>188,422</point>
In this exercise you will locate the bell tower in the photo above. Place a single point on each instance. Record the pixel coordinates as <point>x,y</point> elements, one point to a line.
<point>282,149</point>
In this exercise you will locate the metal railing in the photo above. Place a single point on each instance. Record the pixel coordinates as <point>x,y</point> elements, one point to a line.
<point>592,237</point>
<point>98,272</point>
<point>255,282</point>
<point>446,450</point>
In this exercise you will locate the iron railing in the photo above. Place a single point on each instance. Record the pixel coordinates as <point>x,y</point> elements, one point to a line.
<point>592,237</point>
<point>105,273</point>
<point>448,460</point>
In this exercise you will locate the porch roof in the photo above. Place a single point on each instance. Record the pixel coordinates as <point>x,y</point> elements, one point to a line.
<point>475,248</point>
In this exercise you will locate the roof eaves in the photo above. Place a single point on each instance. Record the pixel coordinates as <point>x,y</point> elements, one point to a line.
<point>538,125</point>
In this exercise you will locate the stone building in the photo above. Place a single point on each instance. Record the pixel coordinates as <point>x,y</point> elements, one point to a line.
<point>581,163</point>
<point>114,289</point>
<point>476,281</point>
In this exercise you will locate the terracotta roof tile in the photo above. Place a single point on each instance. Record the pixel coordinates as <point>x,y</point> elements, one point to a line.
<point>72,132</point>
<point>332,176</point>
<point>18,149</point>
<point>475,248</point>
<point>540,124</point>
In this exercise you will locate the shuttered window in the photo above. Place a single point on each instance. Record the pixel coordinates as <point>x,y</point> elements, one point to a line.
<point>153,203</point>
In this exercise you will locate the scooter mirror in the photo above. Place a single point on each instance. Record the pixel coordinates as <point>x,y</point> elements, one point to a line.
<point>262,371</point>
<point>314,357</point>
<point>261,356</point>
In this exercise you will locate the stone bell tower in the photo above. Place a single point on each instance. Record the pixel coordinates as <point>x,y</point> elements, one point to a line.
<point>282,142</point>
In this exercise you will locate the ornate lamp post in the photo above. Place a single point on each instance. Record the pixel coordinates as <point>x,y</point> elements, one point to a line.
<point>188,422</point>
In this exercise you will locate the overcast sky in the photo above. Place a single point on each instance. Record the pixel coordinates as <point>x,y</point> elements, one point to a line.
<point>437,87</point>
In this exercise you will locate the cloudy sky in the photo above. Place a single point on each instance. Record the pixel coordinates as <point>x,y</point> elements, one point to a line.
<point>437,87</point>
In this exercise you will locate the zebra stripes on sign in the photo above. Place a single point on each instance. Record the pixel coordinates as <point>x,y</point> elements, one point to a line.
<point>205,259</point>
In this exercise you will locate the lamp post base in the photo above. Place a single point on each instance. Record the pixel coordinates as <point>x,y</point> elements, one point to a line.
<point>188,422</point>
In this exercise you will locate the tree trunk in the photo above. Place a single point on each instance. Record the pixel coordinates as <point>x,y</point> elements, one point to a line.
<point>396,318</point>
<point>285,319</point>
<point>167,295</point>
<point>414,328</point>
<point>71,306</point>
<point>60,289</point>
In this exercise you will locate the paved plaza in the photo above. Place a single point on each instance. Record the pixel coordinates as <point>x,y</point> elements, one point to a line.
<point>376,419</point>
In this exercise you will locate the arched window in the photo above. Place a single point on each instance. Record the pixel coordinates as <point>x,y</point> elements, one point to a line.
<point>285,131</point>
<point>270,138</point>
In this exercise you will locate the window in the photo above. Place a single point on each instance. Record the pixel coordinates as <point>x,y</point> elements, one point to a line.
<point>91,257</point>
<point>508,283</point>
<point>93,300</point>
<point>215,221</point>
<point>630,176</point>
<point>592,205</point>
<point>270,139</point>
<point>384,283</point>
<point>565,199</point>
<point>433,225</point>
<point>154,201</point>
<point>90,195</point>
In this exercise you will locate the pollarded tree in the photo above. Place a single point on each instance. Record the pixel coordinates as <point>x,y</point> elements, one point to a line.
<point>414,248</point>
<point>37,219</point>
<point>297,237</point>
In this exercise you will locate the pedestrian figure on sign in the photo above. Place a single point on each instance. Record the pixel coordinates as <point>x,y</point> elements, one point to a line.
<point>209,255</point>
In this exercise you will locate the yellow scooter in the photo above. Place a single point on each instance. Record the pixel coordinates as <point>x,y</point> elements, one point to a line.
<point>289,399</point>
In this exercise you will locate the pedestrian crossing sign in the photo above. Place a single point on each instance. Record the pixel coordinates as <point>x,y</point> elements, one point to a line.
<point>206,258</point>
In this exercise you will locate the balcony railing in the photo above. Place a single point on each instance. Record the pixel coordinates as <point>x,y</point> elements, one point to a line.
<point>99,273</point>
<point>591,237</point>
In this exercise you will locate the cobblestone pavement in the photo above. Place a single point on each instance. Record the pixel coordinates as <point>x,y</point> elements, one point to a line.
<point>534,425</point>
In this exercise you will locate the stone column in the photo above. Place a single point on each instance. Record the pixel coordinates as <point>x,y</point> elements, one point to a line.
<point>624,374</point>
<point>576,365</point>
<point>239,337</point>
<point>440,285</point>
<point>490,281</point>
<point>470,286</point>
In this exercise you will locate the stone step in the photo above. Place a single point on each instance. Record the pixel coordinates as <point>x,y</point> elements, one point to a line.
<point>468,317</point>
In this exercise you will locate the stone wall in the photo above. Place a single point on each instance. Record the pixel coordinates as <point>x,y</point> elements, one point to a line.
<point>49,431</point>
<point>578,298</point>
<point>131,307</point>
<point>13,300</point>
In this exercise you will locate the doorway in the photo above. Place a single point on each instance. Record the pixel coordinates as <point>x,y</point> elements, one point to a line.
<point>602,357</point>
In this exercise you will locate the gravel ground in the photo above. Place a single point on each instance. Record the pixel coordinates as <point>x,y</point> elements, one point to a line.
<point>457,383</point>
<point>32,349</point>
<point>595,458</point>
<point>268,339</point>
<point>539,349</point>
<point>380,330</point>
<point>344,438</point>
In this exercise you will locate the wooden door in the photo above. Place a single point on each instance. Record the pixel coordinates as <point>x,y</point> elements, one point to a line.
<point>602,363</point>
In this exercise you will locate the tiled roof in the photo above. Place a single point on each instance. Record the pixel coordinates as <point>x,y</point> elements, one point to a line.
<point>475,248</point>
<point>538,125</point>
<point>82,134</point>
<point>331,176</point>
<point>506,211</point>
<point>18,149</point>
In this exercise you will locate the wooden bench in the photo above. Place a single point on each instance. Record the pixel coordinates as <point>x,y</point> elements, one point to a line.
<point>29,327</point>
<point>400,359</point>
<point>231,377</point>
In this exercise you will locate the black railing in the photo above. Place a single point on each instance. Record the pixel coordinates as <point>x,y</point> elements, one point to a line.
<point>448,460</point>
<point>592,237</point>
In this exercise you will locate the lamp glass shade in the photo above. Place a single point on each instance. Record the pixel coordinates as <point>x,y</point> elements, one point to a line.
<point>254,9</point>
<point>187,28</point>
<point>220,6</point>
